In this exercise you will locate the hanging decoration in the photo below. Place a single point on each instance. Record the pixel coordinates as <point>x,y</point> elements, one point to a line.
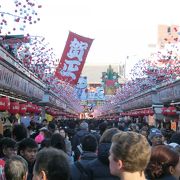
<point>33,51</point>
<point>16,15</point>
<point>73,58</point>
<point>161,67</point>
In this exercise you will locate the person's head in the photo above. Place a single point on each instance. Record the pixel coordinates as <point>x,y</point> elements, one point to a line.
<point>155,137</point>
<point>144,132</point>
<point>57,141</point>
<point>84,126</point>
<point>7,133</point>
<point>44,122</point>
<point>134,127</point>
<point>130,152</point>
<point>45,143</point>
<point>28,149</point>
<point>62,132</point>
<point>16,168</point>
<point>163,162</point>
<point>102,127</point>
<point>19,132</point>
<point>8,147</point>
<point>51,127</point>
<point>51,164</point>
<point>175,138</point>
<point>89,143</point>
<point>175,147</point>
<point>108,134</point>
<point>45,132</point>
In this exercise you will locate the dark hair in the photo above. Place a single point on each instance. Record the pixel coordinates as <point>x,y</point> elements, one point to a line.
<point>89,143</point>
<point>45,143</point>
<point>19,132</point>
<point>7,133</point>
<point>175,138</point>
<point>6,142</point>
<point>102,127</point>
<point>51,126</point>
<point>27,143</point>
<point>44,120</point>
<point>15,168</point>
<point>162,157</point>
<point>57,141</point>
<point>47,134</point>
<point>54,162</point>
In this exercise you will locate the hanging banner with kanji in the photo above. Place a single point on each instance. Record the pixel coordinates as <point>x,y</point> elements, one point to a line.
<point>73,58</point>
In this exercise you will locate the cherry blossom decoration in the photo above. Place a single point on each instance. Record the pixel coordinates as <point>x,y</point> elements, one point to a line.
<point>32,51</point>
<point>162,67</point>
<point>15,15</point>
<point>38,57</point>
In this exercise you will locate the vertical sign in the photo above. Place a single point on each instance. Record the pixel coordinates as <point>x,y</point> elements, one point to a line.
<point>73,58</point>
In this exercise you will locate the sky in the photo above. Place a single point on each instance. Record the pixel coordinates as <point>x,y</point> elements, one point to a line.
<point>120,28</point>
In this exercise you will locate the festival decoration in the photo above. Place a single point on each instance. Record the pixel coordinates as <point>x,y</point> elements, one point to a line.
<point>16,15</point>
<point>162,67</point>
<point>110,81</point>
<point>73,58</point>
<point>81,88</point>
<point>33,51</point>
<point>22,109</point>
<point>14,107</point>
<point>4,103</point>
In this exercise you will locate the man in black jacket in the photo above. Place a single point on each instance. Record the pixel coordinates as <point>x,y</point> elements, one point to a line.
<point>77,140</point>
<point>89,148</point>
<point>98,169</point>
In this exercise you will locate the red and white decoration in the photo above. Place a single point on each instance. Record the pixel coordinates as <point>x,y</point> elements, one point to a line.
<point>73,58</point>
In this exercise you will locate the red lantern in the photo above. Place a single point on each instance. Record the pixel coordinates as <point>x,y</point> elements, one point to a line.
<point>151,112</point>
<point>14,107</point>
<point>140,113</point>
<point>38,109</point>
<point>31,107</point>
<point>34,108</point>
<point>171,111</point>
<point>135,113</point>
<point>4,103</point>
<point>22,109</point>
<point>145,112</point>
<point>165,111</point>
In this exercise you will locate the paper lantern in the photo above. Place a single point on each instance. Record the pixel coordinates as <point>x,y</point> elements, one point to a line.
<point>4,103</point>
<point>31,107</point>
<point>171,111</point>
<point>141,113</point>
<point>165,111</point>
<point>38,109</point>
<point>14,107</point>
<point>22,109</point>
<point>151,112</point>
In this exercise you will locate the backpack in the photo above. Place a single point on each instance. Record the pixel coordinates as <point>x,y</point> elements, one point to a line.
<point>83,173</point>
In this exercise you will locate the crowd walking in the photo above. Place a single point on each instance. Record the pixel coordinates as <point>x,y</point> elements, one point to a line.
<point>89,150</point>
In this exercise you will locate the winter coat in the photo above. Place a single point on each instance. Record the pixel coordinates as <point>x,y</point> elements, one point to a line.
<point>77,139</point>
<point>86,158</point>
<point>99,168</point>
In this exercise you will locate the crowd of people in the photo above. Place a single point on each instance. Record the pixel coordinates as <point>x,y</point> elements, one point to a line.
<point>89,150</point>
